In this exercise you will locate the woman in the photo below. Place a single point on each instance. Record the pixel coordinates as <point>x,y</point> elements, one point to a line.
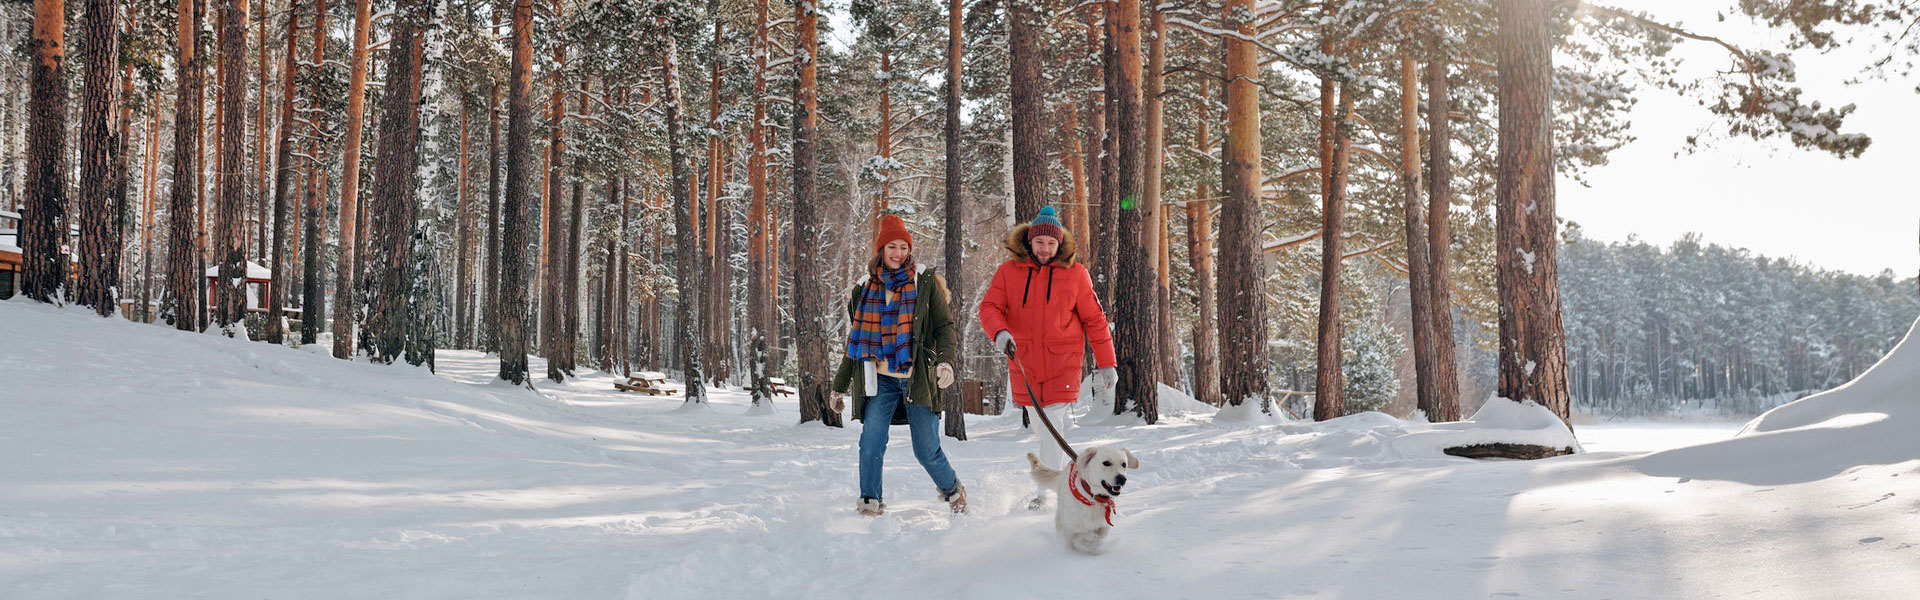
<point>1041,312</point>
<point>900,344</point>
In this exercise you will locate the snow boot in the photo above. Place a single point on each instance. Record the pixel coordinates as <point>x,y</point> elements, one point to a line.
<point>956,499</point>
<point>871,507</point>
<point>1038,503</point>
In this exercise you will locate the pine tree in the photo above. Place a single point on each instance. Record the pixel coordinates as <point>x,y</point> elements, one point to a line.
<point>348,265</point>
<point>99,224</point>
<point>389,274</point>
<point>1533,358</point>
<point>511,310</point>
<point>810,304</point>
<point>43,232</point>
<point>229,239</point>
<point>283,171</point>
<point>180,304</point>
<point>1242,315</point>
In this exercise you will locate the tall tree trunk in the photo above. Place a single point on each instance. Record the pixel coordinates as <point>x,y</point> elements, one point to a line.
<point>490,305</point>
<point>463,238</point>
<point>389,272</point>
<point>606,343</point>
<point>283,170</point>
<point>511,309</point>
<point>1136,293</point>
<point>883,144</point>
<point>260,159</point>
<point>311,305</point>
<point>1419,275</point>
<point>1029,111</point>
<point>344,291</point>
<point>1073,215</point>
<point>1094,153</point>
<point>1206,350</point>
<point>98,275</point>
<point>182,274</point>
<point>1446,385</point>
<point>956,222</point>
<point>1533,358</point>
<point>45,228</point>
<point>1153,83</point>
<point>686,256</point>
<point>230,220</point>
<point>571,295</point>
<point>146,209</point>
<point>810,302</point>
<point>759,297</point>
<point>552,249</point>
<point>1109,230</point>
<point>1329,396</point>
<point>715,306</point>
<point>1243,273</point>
<point>122,178</point>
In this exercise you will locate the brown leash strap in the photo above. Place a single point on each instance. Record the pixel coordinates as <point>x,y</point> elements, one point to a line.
<point>1035,399</point>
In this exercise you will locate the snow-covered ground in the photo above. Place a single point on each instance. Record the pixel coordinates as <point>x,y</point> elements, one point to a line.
<point>149,463</point>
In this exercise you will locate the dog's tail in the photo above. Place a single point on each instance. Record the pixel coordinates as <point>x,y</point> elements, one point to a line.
<point>1042,474</point>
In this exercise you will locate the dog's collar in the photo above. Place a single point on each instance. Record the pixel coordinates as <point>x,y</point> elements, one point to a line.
<point>1084,493</point>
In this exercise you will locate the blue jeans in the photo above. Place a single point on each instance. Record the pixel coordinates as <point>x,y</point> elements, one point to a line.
<point>921,421</point>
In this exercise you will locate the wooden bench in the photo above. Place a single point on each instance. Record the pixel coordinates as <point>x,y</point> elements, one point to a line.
<point>780,387</point>
<point>649,383</point>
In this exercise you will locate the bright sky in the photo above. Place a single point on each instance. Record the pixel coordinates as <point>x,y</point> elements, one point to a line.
<point>1856,215</point>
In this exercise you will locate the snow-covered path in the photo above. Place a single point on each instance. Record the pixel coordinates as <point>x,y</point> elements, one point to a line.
<point>157,464</point>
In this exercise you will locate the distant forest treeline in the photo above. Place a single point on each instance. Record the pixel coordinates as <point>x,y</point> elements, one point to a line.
<point>1699,325</point>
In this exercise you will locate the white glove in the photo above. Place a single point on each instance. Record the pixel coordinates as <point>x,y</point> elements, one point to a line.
<point>943,374</point>
<point>1108,378</point>
<point>1004,343</point>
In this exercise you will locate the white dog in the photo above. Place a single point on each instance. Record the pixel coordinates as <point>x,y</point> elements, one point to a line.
<point>1086,491</point>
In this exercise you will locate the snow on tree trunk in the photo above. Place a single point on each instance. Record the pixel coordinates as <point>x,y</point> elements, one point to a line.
<point>810,302</point>
<point>389,272</point>
<point>229,229</point>
<point>1533,359</point>
<point>686,255</point>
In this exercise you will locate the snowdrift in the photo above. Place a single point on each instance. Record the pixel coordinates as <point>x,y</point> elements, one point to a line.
<point>152,463</point>
<point>1872,420</point>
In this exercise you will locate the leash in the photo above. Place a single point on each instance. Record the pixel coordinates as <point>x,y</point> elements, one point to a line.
<point>1035,398</point>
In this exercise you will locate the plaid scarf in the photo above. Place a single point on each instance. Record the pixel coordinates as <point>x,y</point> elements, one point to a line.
<point>883,331</point>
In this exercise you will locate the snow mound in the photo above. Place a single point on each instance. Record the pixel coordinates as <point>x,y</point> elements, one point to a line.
<point>1176,402</point>
<point>1867,421</point>
<point>1499,421</point>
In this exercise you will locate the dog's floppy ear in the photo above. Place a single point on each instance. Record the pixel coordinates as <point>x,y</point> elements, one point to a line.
<point>1086,458</point>
<point>1132,463</point>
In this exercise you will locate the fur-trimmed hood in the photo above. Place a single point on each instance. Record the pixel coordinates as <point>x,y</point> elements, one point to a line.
<point>1017,246</point>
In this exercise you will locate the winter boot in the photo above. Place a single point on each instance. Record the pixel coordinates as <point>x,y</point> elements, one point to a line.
<point>956,499</point>
<point>871,507</point>
<point>1039,501</point>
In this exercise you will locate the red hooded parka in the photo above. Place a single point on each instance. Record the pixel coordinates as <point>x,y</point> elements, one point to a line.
<point>1052,314</point>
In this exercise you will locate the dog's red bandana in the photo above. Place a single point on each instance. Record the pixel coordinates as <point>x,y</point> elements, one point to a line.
<point>1084,493</point>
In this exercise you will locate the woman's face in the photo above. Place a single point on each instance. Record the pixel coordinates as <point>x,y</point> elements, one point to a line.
<point>1044,247</point>
<point>895,253</point>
